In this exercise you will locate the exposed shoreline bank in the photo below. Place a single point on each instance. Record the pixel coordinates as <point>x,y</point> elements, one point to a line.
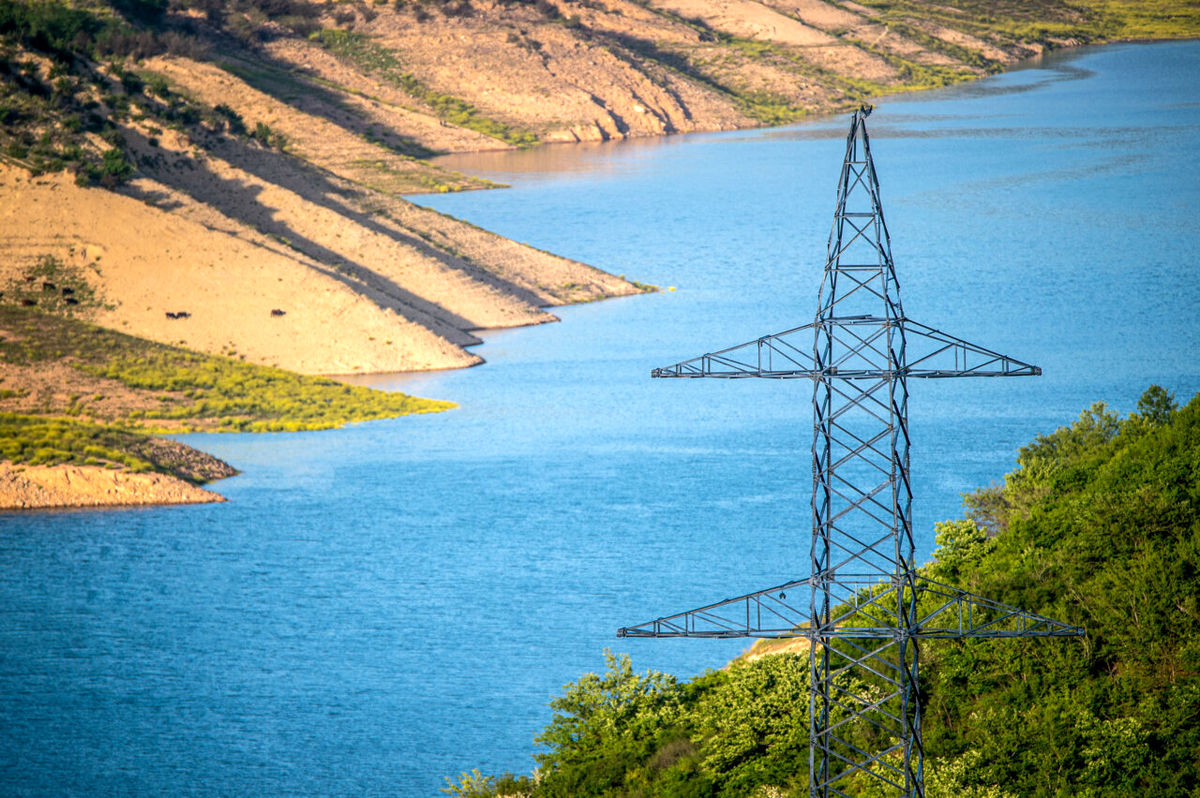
<point>26,487</point>
<point>83,478</point>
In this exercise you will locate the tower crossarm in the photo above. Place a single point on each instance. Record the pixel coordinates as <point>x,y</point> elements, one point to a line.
<point>785,355</point>
<point>866,613</point>
<point>766,613</point>
<point>864,340</point>
<point>947,612</point>
<point>933,353</point>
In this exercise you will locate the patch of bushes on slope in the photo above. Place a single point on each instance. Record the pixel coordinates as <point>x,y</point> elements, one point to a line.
<point>54,97</point>
<point>205,392</point>
<point>370,57</point>
<point>1098,526</point>
<point>65,79</point>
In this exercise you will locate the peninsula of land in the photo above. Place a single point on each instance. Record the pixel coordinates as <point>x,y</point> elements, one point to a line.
<point>221,183</point>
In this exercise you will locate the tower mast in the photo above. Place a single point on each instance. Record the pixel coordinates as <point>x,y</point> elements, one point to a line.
<point>868,606</point>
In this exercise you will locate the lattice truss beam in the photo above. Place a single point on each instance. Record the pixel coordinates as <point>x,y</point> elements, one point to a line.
<point>862,342</point>
<point>944,612</point>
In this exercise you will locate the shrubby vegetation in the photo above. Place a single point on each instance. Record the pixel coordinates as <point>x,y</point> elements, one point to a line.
<point>66,76</point>
<point>372,58</point>
<point>1099,526</point>
<point>63,82</point>
<point>48,441</point>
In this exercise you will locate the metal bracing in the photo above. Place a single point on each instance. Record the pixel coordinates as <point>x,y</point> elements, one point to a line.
<point>866,612</point>
<point>864,608</point>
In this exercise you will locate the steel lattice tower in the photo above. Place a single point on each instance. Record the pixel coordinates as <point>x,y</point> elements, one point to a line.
<point>868,606</point>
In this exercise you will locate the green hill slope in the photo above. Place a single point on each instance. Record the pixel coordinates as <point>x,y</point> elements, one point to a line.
<point>1099,525</point>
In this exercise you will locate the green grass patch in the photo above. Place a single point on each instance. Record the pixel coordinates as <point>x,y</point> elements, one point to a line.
<point>385,178</point>
<point>776,109</point>
<point>370,57</point>
<point>914,76</point>
<point>770,108</point>
<point>202,392</point>
<point>34,440</point>
<point>1146,19</point>
<point>246,398</point>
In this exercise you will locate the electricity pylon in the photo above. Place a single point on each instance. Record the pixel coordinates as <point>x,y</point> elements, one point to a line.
<point>868,606</point>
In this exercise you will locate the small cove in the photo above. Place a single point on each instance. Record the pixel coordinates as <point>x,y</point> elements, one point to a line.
<point>378,607</point>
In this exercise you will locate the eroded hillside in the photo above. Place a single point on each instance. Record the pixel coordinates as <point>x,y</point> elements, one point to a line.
<point>206,212</point>
<point>228,175</point>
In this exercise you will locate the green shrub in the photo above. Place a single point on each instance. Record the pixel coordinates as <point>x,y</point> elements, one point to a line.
<point>231,118</point>
<point>202,391</point>
<point>115,168</point>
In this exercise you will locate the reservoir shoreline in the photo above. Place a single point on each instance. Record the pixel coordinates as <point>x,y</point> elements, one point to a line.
<point>81,486</point>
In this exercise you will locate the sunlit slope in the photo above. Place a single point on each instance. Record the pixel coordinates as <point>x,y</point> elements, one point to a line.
<point>196,201</point>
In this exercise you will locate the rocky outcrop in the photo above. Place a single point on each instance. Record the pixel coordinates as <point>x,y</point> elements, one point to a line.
<point>26,487</point>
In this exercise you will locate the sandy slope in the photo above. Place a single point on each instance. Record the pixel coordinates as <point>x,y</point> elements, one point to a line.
<point>750,20</point>
<point>37,487</point>
<point>367,282</point>
<point>768,648</point>
<point>584,83</point>
<point>147,262</point>
<point>373,101</point>
<point>327,131</point>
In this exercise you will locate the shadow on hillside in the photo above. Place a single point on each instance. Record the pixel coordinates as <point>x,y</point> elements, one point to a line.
<point>327,190</point>
<point>241,203</point>
<point>283,82</point>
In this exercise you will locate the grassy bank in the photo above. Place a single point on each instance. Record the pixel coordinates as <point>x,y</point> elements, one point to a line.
<point>76,392</point>
<point>36,441</point>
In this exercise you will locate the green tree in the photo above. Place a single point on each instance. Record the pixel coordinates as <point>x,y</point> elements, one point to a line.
<point>1157,405</point>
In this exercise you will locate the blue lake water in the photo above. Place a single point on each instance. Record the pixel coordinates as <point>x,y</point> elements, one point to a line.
<point>379,607</point>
